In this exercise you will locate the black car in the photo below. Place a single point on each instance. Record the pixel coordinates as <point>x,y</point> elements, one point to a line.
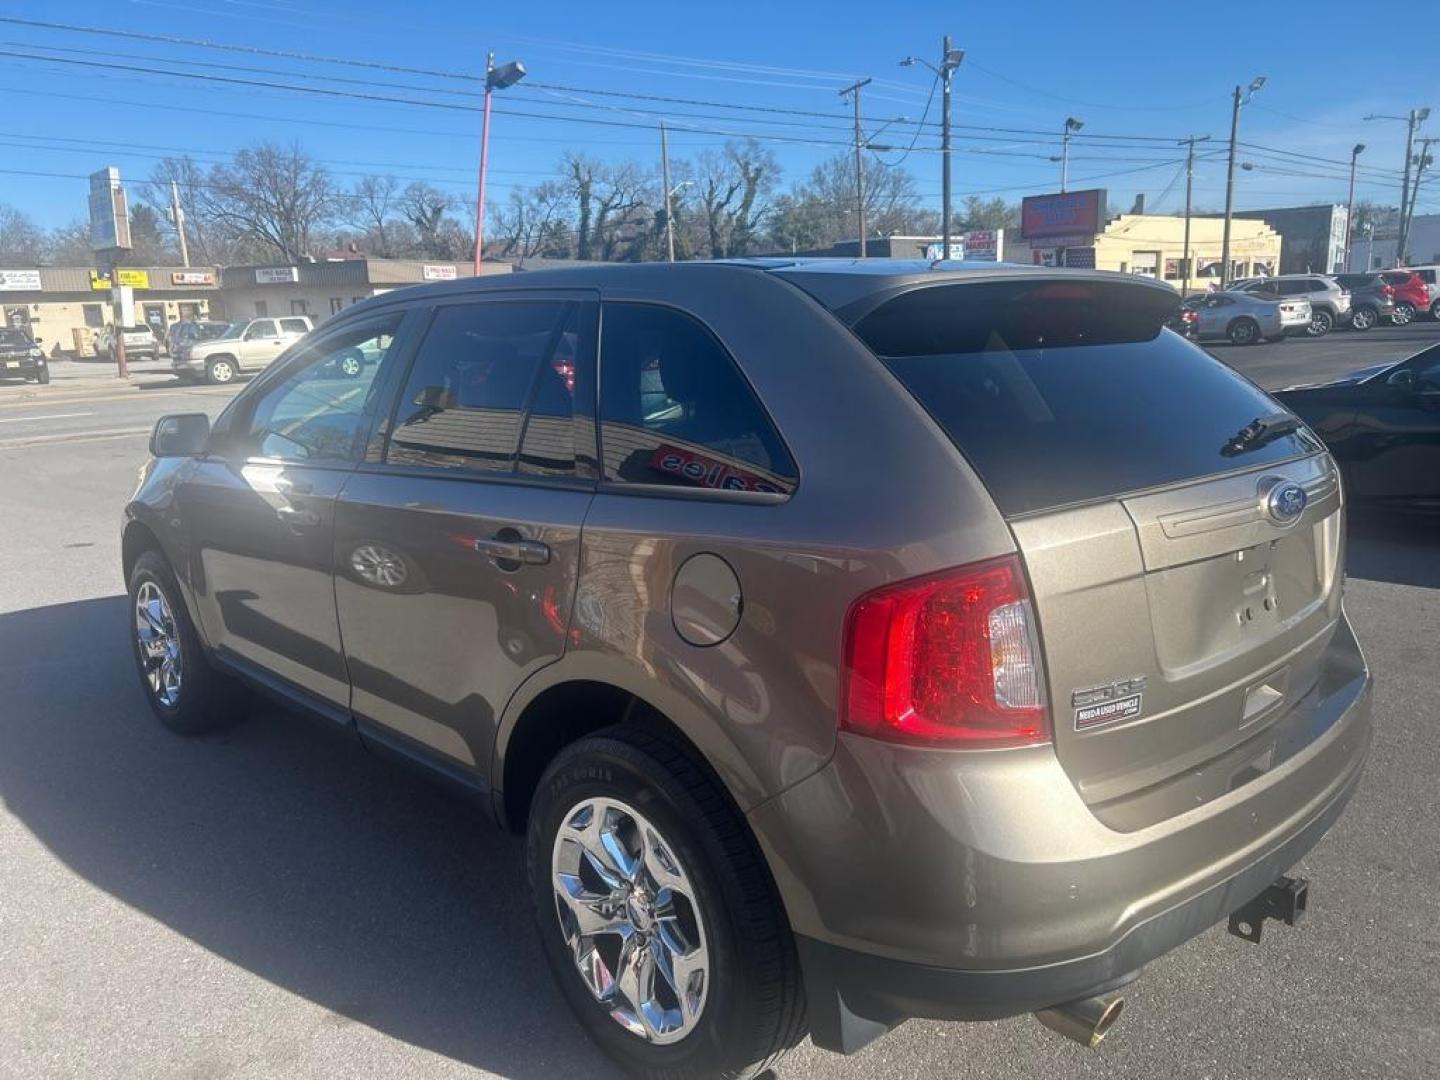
<point>1382,425</point>
<point>1371,300</point>
<point>21,357</point>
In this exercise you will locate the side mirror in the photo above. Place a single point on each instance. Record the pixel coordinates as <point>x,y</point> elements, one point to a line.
<point>1404,379</point>
<point>180,435</point>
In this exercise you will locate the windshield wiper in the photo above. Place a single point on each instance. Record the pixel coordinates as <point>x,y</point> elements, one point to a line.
<point>1261,430</point>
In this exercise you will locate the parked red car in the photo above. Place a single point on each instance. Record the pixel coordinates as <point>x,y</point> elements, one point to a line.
<point>1411,294</point>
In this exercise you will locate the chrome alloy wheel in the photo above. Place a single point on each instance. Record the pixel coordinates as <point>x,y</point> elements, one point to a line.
<point>628,911</point>
<point>159,640</point>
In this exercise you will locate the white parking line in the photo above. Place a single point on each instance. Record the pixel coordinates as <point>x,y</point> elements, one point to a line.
<point>50,416</point>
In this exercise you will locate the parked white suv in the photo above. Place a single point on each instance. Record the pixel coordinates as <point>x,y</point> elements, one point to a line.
<point>140,343</point>
<point>248,345</point>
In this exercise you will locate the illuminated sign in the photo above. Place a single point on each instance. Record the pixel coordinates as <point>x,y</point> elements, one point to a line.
<point>1069,214</point>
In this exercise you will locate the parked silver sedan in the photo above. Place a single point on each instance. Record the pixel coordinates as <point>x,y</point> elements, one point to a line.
<point>1247,319</point>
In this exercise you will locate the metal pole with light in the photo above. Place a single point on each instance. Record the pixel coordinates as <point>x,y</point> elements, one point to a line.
<point>854,89</point>
<point>496,78</point>
<point>1072,125</point>
<point>1350,203</point>
<point>950,59</point>
<point>1415,118</point>
<point>1255,84</point>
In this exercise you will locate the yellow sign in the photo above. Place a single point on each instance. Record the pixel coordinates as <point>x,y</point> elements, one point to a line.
<point>136,279</point>
<point>99,281</point>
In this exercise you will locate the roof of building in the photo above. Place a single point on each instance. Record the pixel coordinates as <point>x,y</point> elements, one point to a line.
<point>78,279</point>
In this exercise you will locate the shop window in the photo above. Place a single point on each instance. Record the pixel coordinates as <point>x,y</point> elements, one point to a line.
<point>336,303</point>
<point>299,307</point>
<point>94,315</point>
<point>261,308</point>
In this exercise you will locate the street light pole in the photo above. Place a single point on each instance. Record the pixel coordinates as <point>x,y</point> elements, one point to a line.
<point>496,78</point>
<point>950,59</point>
<point>1422,159</point>
<point>854,89</point>
<point>1350,203</point>
<point>1405,195</point>
<point>1255,84</point>
<point>1071,125</point>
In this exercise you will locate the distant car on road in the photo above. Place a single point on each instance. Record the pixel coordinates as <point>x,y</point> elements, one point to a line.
<point>1246,319</point>
<point>190,331</point>
<point>244,346</point>
<point>1411,293</point>
<point>1382,425</point>
<point>1371,300</point>
<point>21,356</point>
<point>140,343</point>
<point>1329,302</point>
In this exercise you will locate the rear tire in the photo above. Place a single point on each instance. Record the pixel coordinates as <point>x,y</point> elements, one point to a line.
<point>1364,318</point>
<point>1244,332</point>
<point>751,1006</point>
<point>1435,310</point>
<point>1321,323</point>
<point>184,692</point>
<point>220,370</point>
<point>42,375</point>
<point>1404,313</point>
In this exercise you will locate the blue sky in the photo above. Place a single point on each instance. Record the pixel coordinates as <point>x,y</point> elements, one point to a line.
<point>1150,72</point>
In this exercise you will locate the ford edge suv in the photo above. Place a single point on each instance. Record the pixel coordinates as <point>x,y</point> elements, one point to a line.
<point>850,642</point>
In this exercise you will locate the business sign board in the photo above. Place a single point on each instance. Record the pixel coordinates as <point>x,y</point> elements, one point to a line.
<point>135,279</point>
<point>276,275</point>
<point>933,251</point>
<point>1067,214</point>
<point>109,214</point>
<point>984,244</point>
<point>437,272</point>
<point>192,277</point>
<point>19,280</point>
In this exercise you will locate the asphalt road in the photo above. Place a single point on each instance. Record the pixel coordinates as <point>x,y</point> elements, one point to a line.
<point>274,902</point>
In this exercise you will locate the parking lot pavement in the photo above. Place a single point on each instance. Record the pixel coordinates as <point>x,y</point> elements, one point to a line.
<point>274,902</point>
<point>1303,359</point>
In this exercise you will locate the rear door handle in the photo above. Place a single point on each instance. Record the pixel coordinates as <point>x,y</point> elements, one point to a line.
<point>529,552</point>
<point>298,517</point>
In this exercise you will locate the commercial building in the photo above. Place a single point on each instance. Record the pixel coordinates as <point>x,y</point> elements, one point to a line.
<point>65,306</point>
<point>1313,236</point>
<point>321,289</point>
<point>1373,247</point>
<point>976,244</point>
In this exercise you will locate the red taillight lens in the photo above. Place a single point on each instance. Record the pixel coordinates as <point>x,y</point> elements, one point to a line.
<point>1387,290</point>
<point>948,659</point>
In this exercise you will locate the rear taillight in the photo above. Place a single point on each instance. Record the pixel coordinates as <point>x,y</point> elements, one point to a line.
<point>951,659</point>
<point>1387,290</point>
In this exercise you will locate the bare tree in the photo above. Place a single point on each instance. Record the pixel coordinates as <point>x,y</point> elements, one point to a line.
<point>426,208</point>
<point>21,240</point>
<point>731,188</point>
<point>271,195</point>
<point>611,217</point>
<point>370,207</point>
<point>531,220</point>
<point>69,244</point>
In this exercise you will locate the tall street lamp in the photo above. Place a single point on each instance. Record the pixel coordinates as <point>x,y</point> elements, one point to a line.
<point>496,78</point>
<point>1415,118</point>
<point>1242,97</point>
<point>950,59</point>
<point>1072,125</point>
<point>1350,203</point>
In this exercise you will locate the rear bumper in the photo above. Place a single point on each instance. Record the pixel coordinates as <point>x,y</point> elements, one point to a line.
<point>975,886</point>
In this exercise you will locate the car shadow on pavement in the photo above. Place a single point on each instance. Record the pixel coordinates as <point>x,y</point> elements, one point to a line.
<point>1403,549</point>
<point>283,847</point>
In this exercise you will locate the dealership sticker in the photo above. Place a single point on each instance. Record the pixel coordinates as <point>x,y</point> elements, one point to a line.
<point>1108,712</point>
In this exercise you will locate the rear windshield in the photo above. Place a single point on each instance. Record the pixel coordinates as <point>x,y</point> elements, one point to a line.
<point>1066,392</point>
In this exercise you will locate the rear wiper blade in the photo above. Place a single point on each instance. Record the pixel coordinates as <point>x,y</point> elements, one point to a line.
<point>1261,430</point>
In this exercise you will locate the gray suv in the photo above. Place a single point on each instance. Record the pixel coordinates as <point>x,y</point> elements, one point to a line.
<point>850,642</point>
<point>1329,300</point>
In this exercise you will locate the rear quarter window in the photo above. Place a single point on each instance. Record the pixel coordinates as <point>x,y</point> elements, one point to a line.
<point>1067,392</point>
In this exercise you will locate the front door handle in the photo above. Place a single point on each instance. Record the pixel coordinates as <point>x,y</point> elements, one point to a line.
<point>502,550</point>
<point>298,517</point>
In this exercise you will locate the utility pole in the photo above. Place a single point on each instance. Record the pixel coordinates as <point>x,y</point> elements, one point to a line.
<point>949,60</point>
<point>665,179</point>
<point>1350,203</point>
<point>1189,189</point>
<point>1405,195</point>
<point>1422,159</point>
<point>854,89</point>
<point>1241,97</point>
<point>177,215</point>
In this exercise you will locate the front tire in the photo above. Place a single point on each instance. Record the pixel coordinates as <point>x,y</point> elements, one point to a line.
<point>183,691</point>
<point>42,375</point>
<point>657,913</point>
<point>1321,323</point>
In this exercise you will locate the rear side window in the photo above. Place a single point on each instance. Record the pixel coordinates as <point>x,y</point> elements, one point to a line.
<point>294,326</point>
<point>1067,392</point>
<point>464,404</point>
<point>676,411</point>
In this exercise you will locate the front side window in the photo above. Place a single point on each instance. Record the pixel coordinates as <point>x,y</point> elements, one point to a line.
<point>261,328</point>
<point>320,412</point>
<point>477,371</point>
<point>294,326</point>
<point>675,410</point>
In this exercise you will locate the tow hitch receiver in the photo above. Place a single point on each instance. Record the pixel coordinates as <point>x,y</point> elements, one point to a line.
<point>1285,899</point>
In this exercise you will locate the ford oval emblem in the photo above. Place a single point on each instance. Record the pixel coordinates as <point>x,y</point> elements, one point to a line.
<point>1285,502</point>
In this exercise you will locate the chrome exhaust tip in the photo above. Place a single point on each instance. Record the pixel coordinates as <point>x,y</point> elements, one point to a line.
<point>1086,1020</point>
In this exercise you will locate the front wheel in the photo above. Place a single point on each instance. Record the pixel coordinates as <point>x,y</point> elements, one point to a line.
<point>220,370</point>
<point>42,375</point>
<point>657,913</point>
<point>1321,323</point>
<point>1404,313</point>
<point>1363,318</point>
<point>1244,332</point>
<point>183,691</point>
